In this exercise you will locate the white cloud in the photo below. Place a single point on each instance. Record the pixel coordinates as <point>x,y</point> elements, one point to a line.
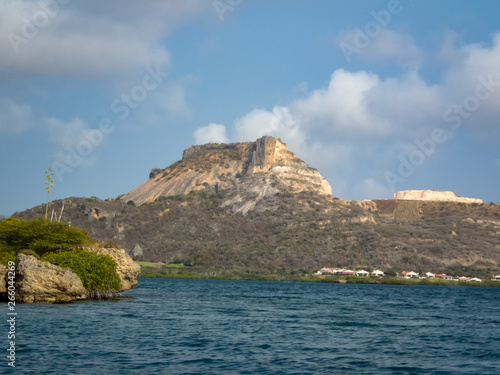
<point>371,189</point>
<point>91,38</point>
<point>388,45</point>
<point>362,123</point>
<point>212,133</point>
<point>406,103</point>
<point>342,106</point>
<point>172,96</point>
<point>259,122</point>
<point>301,88</point>
<point>449,53</point>
<point>173,99</point>
<point>479,64</point>
<point>14,117</point>
<point>76,141</point>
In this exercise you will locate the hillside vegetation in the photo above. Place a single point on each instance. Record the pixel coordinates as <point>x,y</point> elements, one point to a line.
<point>60,244</point>
<point>296,233</point>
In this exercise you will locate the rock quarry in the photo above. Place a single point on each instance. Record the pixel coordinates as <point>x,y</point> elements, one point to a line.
<point>433,195</point>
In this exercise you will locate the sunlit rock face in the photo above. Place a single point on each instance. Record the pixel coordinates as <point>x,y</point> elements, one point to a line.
<point>433,195</point>
<point>246,171</point>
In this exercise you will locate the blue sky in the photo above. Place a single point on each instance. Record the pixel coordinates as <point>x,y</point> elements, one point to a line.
<point>379,96</point>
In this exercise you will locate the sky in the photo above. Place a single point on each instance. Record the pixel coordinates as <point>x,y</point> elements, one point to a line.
<point>379,96</point>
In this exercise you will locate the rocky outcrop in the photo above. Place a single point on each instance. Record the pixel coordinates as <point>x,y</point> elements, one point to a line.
<point>3,279</point>
<point>433,195</point>
<point>38,281</point>
<point>137,252</point>
<point>126,268</point>
<point>247,171</point>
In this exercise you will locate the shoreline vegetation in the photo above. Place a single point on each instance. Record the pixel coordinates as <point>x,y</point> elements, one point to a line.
<point>179,271</point>
<point>39,241</point>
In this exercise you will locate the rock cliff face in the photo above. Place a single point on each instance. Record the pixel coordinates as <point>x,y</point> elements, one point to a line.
<point>433,195</point>
<point>248,172</point>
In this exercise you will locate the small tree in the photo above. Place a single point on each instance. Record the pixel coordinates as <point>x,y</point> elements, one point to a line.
<point>39,236</point>
<point>48,185</point>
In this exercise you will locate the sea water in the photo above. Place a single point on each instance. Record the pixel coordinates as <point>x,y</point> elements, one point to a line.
<point>169,326</point>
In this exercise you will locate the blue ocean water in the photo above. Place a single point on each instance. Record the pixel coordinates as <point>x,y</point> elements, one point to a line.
<point>172,326</point>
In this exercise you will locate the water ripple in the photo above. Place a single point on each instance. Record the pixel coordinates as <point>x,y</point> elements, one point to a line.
<point>240,327</point>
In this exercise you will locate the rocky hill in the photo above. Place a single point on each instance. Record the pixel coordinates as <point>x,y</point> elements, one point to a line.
<point>248,172</point>
<point>257,207</point>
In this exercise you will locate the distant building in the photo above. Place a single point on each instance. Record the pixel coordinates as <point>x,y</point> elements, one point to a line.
<point>409,274</point>
<point>377,273</point>
<point>443,276</point>
<point>330,270</point>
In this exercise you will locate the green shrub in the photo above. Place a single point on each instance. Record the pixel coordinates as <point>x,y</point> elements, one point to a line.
<point>131,203</point>
<point>391,272</point>
<point>29,252</point>
<point>40,236</point>
<point>97,271</point>
<point>6,257</point>
<point>108,244</point>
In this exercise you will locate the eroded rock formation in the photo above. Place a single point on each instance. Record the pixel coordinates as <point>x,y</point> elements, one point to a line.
<point>433,195</point>
<point>248,171</point>
<point>39,281</point>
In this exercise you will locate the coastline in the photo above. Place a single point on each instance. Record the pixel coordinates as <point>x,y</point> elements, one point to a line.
<point>182,273</point>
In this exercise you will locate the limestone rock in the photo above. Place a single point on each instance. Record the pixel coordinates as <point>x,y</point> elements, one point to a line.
<point>3,280</point>
<point>38,281</point>
<point>247,171</point>
<point>433,195</point>
<point>127,269</point>
<point>137,251</point>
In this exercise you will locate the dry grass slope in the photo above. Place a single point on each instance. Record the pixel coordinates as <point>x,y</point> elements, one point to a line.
<point>289,232</point>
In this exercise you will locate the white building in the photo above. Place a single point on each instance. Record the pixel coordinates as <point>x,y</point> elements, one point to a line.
<point>408,275</point>
<point>377,273</point>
